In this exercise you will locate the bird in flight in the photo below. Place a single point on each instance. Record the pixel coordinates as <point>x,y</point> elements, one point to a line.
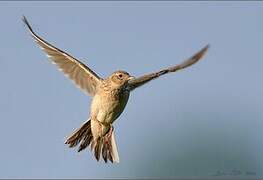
<point>109,97</point>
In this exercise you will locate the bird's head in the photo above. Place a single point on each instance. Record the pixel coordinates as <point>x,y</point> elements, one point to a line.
<point>120,78</point>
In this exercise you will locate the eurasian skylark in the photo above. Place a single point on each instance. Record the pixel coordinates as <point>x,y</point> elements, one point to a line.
<point>110,97</point>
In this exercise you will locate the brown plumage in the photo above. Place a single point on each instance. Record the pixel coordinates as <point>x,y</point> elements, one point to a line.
<point>110,96</point>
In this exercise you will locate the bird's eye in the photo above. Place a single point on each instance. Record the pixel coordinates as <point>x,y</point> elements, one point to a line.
<point>120,75</point>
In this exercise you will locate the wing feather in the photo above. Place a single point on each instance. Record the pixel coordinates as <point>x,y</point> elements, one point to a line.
<point>137,82</point>
<point>84,77</point>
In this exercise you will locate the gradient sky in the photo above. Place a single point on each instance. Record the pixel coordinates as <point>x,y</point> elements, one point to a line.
<point>195,122</point>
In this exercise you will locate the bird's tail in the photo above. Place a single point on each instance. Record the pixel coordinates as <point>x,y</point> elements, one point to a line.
<point>105,146</point>
<point>115,153</point>
<point>109,149</point>
<point>83,135</point>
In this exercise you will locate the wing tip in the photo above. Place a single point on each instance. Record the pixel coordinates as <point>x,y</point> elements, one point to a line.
<point>202,52</point>
<point>207,47</point>
<point>25,21</point>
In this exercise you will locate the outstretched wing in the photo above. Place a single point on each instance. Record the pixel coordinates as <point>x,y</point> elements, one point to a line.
<point>84,77</point>
<point>137,82</point>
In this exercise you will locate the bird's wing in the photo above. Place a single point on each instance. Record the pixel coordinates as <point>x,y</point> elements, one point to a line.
<point>137,82</point>
<point>84,77</point>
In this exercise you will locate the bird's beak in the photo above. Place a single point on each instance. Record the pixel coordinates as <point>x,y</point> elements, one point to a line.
<point>131,78</point>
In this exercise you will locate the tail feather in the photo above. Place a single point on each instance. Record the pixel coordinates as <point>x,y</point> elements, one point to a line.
<point>86,141</point>
<point>110,157</point>
<point>102,146</point>
<point>114,150</point>
<point>105,152</point>
<point>78,134</point>
<point>97,150</point>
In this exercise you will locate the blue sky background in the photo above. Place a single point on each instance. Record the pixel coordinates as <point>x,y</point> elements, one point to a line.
<point>195,122</point>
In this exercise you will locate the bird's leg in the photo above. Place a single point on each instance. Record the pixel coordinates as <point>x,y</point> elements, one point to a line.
<point>107,137</point>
